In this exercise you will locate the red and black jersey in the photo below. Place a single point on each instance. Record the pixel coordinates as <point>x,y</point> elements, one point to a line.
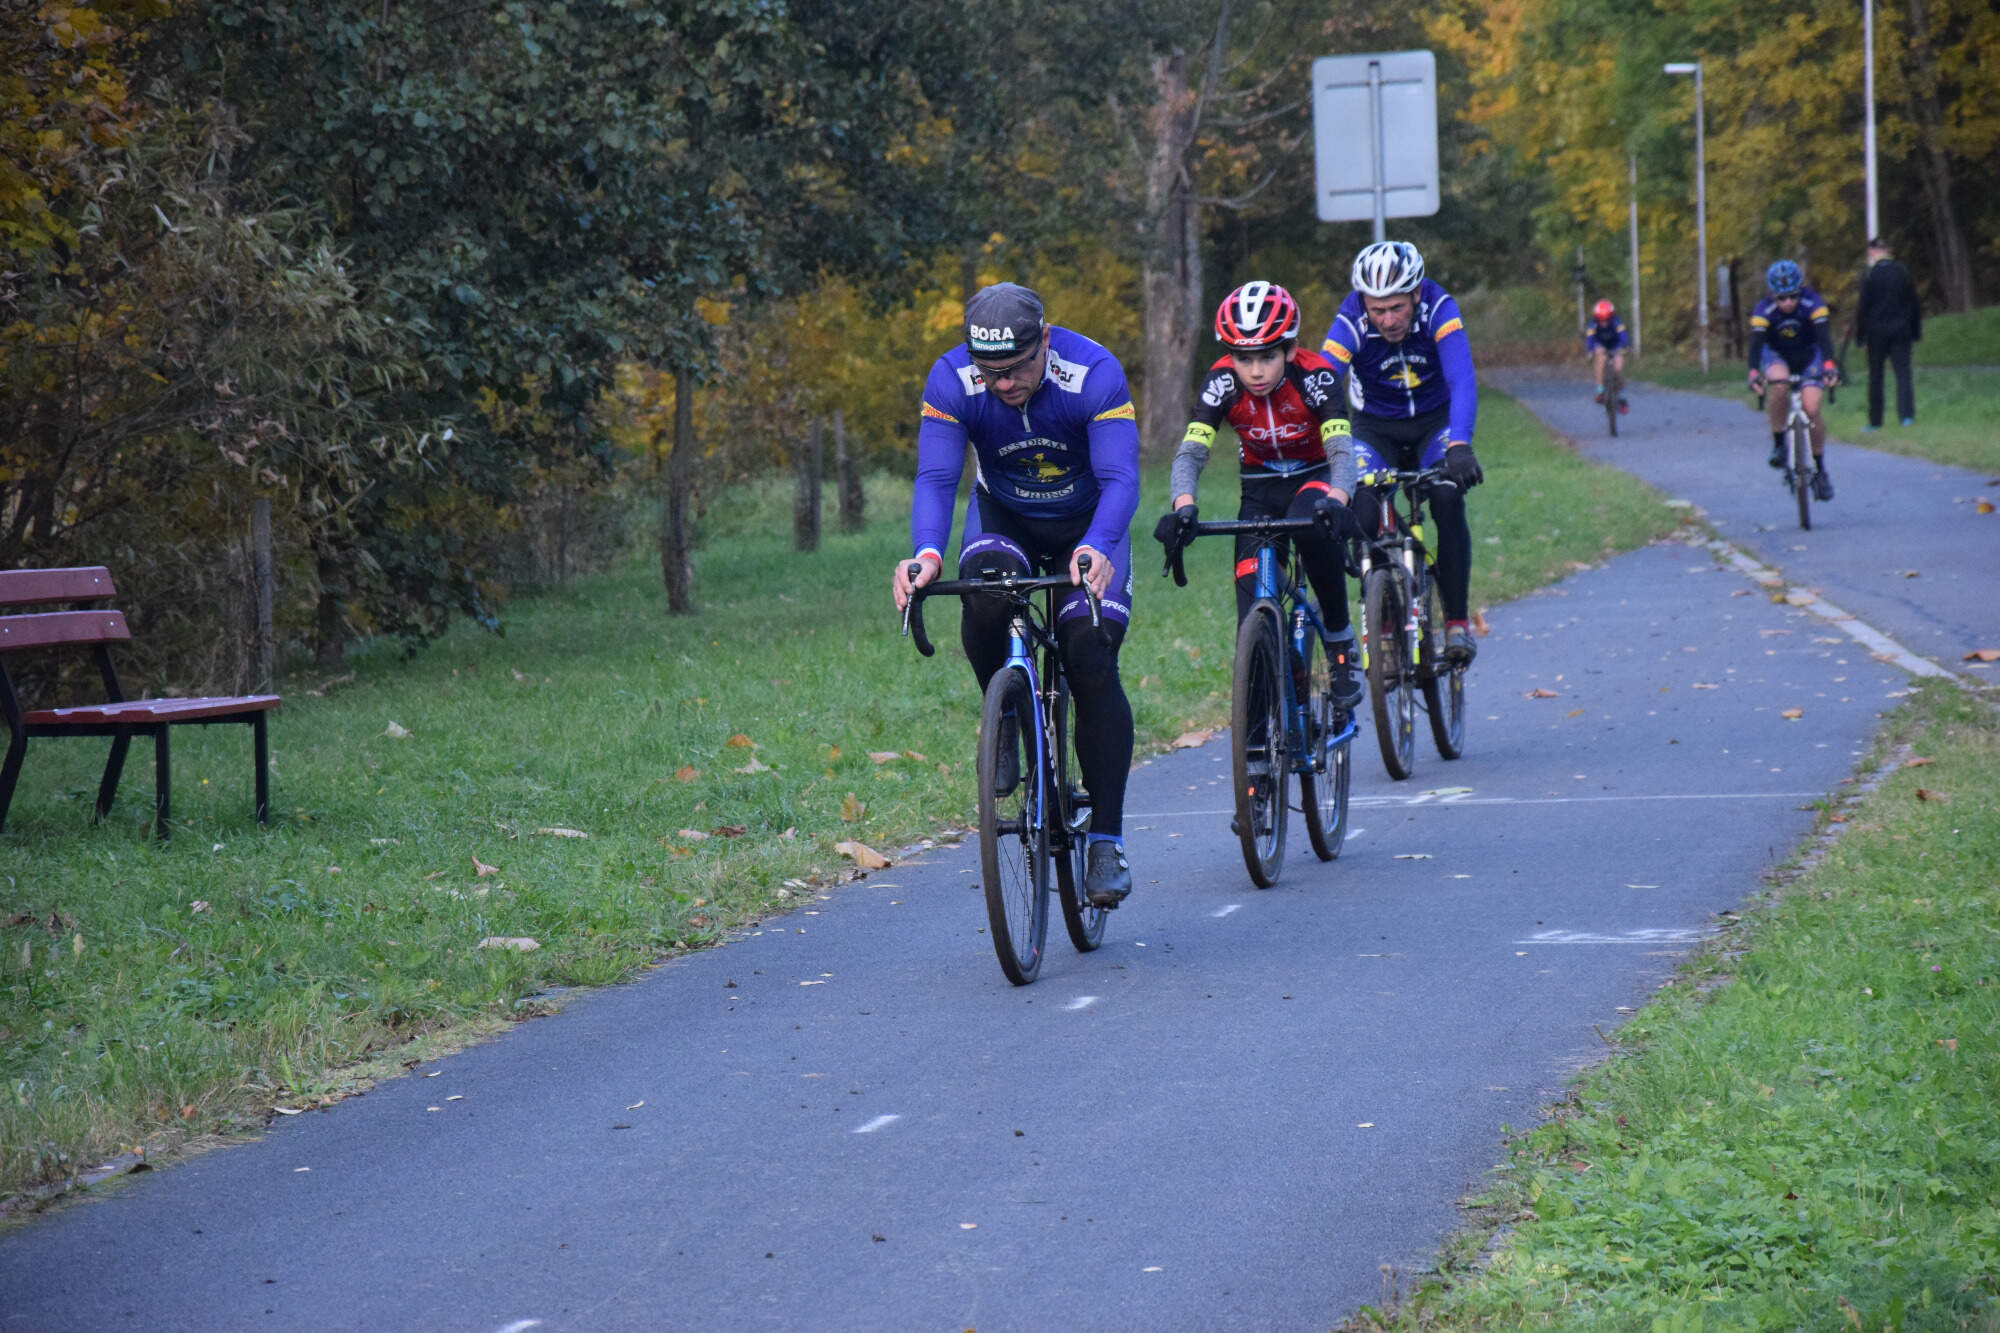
<point>1281,432</point>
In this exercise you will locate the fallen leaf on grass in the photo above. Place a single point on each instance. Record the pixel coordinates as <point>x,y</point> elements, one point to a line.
<point>914,757</point>
<point>692,835</point>
<point>396,732</point>
<point>754,766</point>
<point>730,830</point>
<point>1539,693</point>
<point>1793,714</point>
<point>518,943</point>
<point>1926,794</point>
<point>884,756</point>
<point>852,809</point>
<point>562,832</point>
<point>1188,740</point>
<point>1949,1043</point>
<point>1836,819</point>
<point>861,854</point>
<point>1982,655</point>
<point>1479,625</point>
<point>481,870</point>
<point>1920,761</point>
<point>740,742</point>
<point>686,774</point>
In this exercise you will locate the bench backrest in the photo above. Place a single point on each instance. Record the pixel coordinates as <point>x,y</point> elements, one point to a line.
<point>28,587</point>
<point>50,629</point>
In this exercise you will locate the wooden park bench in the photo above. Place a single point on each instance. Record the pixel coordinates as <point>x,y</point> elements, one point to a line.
<point>117,717</point>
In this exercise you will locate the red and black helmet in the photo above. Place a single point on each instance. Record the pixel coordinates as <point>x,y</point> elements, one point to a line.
<point>1255,316</point>
<point>1604,310</point>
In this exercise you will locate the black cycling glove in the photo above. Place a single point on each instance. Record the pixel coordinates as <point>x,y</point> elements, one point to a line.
<point>1175,530</point>
<point>1336,519</point>
<point>1461,469</point>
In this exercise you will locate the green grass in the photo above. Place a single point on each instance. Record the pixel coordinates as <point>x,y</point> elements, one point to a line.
<point>1969,338</point>
<point>1957,409</point>
<point>152,993</point>
<point>1799,1133</point>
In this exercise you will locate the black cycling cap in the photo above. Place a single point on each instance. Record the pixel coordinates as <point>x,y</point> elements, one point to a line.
<point>1002,321</point>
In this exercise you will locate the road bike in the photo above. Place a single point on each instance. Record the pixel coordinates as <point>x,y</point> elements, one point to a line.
<point>1283,718</point>
<point>1797,474</point>
<point>1402,632</point>
<point>1036,826</point>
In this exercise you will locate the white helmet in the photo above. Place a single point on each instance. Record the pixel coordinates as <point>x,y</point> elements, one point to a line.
<point>1387,268</point>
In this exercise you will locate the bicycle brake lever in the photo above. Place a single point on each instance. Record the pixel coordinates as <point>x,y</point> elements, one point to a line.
<point>1089,596</point>
<point>913,615</point>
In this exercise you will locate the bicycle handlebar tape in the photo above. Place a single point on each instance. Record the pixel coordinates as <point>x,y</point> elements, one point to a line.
<point>1089,596</point>
<point>913,614</point>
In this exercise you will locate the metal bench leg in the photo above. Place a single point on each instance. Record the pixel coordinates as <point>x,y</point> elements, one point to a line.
<point>114,766</point>
<point>10,769</point>
<point>161,779</point>
<point>261,746</point>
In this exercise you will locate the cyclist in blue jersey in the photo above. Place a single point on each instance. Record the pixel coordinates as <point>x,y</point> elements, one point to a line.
<point>1401,342</point>
<point>1605,340</point>
<point>1791,338</point>
<point>1055,441</point>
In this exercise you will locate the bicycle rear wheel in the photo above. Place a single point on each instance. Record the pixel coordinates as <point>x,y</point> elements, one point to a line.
<point>1084,922</point>
<point>1444,682</point>
<point>1802,469</point>
<point>1257,745</point>
<point>1613,386</point>
<point>1390,690</point>
<point>1324,781</point>
<point>1013,839</point>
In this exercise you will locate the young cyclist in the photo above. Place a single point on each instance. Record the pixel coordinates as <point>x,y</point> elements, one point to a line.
<point>1402,343</point>
<point>1791,338</point>
<point>1605,338</point>
<point>1292,442</point>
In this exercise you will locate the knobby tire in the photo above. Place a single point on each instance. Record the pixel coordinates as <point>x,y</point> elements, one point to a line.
<point>1802,468</point>
<point>1013,839</point>
<point>1323,782</point>
<point>1257,744</point>
<point>1391,688</point>
<point>1444,682</point>
<point>1084,922</point>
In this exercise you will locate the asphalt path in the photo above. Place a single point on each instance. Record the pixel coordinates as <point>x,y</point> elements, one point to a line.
<point>1901,546</point>
<point>1233,1115</point>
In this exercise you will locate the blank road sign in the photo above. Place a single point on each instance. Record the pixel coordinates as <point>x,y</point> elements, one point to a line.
<point>1344,154</point>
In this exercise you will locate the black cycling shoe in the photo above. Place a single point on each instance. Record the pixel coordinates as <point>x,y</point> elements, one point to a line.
<point>1344,682</point>
<point>1822,484</point>
<point>1107,876</point>
<point>1777,455</point>
<point>1459,648</point>
<point>1007,768</point>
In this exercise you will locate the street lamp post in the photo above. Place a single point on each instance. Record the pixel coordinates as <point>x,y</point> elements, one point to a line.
<point>1868,101</point>
<point>1700,209</point>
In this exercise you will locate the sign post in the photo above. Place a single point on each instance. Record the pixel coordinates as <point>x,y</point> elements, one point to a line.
<point>1375,153</point>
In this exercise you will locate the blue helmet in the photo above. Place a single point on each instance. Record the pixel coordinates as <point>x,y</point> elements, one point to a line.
<point>1784,278</point>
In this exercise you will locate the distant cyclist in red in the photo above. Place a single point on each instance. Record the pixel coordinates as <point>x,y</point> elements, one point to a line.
<point>1605,338</point>
<point>1292,439</point>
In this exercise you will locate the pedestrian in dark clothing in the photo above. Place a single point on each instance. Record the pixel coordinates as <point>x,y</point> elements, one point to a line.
<point>1888,320</point>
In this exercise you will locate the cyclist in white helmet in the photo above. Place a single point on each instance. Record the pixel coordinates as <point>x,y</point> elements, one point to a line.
<point>1401,342</point>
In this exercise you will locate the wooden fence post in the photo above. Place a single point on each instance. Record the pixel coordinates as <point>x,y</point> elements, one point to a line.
<point>805,494</point>
<point>263,642</point>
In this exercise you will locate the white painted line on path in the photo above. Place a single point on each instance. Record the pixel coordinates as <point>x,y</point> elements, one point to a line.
<point>1655,935</point>
<point>1874,640</point>
<point>1409,802</point>
<point>1225,911</point>
<point>1081,1002</point>
<point>878,1122</point>
<point>519,1326</point>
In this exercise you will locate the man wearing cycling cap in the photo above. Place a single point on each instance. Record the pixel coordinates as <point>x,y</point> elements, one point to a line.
<point>1401,342</point>
<point>1055,443</point>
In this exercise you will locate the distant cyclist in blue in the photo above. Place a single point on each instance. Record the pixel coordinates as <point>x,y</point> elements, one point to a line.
<point>1401,342</point>
<point>1055,440</point>
<point>1791,338</point>
<point>1603,340</point>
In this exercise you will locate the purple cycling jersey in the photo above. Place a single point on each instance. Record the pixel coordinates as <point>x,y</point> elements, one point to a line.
<point>1429,369</point>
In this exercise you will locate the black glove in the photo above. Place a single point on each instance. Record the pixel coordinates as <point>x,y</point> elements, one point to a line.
<point>1175,530</point>
<point>1336,519</point>
<point>1461,469</point>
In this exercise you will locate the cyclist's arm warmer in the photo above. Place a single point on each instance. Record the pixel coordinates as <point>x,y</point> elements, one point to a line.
<point>1189,460</point>
<point>1624,340</point>
<point>1114,459</point>
<point>1339,442</point>
<point>1756,346</point>
<point>1823,332</point>
<point>940,463</point>
<point>1455,354</point>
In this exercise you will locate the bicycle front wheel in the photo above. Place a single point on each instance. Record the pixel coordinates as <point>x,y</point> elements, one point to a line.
<point>1444,682</point>
<point>1257,750</point>
<point>1323,781</point>
<point>1084,922</point>
<point>1613,386</point>
<point>1802,470</point>
<point>1013,837</point>
<point>1391,690</point>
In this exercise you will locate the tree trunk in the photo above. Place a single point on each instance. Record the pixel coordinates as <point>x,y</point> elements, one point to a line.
<point>1954,266</point>
<point>1171,242</point>
<point>805,492</point>
<point>676,532</point>
<point>852,501</point>
<point>263,640</point>
<point>330,628</point>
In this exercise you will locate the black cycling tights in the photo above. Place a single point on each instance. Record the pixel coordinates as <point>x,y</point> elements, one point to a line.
<point>1454,542</point>
<point>1103,714</point>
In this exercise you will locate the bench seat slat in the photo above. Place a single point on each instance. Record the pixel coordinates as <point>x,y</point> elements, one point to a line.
<point>47,629</point>
<point>153,710</point>
<point>87,583</point>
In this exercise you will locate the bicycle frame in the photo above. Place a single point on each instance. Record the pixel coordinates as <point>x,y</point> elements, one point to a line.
<point>1399,543</point>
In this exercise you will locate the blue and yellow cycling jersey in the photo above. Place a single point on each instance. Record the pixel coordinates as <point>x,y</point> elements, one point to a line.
<point>1071,449</point>
<point>1791,335</point>
<point>1430,368</point>
<point>1608,334</point>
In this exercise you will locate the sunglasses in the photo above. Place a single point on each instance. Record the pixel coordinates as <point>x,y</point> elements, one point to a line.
<point>1011,371</point>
